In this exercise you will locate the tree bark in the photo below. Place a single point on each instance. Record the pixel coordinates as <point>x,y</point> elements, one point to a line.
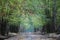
<point>54,9</point>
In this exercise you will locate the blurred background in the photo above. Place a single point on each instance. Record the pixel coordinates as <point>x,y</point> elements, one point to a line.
<point>37,16</point>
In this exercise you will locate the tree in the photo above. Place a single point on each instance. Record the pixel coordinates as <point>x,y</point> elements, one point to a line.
<point>54,9</point>
<point>8,8</point>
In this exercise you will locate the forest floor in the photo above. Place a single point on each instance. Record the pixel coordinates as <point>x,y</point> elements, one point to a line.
<point>30,36</point>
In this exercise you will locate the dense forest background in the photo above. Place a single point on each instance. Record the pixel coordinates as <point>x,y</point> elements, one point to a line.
<point>26,13</point>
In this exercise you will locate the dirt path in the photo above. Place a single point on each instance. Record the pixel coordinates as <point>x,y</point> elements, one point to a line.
<point>30,37</point>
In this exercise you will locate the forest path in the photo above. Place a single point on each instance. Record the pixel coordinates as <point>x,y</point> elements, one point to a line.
<point>30,36</point>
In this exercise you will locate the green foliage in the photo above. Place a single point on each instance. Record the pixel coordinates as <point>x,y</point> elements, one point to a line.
<point>58,12</point>
<point>33,13</point>
<point>9,10</point>
<point>27,12</point>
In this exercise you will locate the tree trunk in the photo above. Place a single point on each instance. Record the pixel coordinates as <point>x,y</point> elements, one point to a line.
<point>3,27</point>
<point>54,15</point>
